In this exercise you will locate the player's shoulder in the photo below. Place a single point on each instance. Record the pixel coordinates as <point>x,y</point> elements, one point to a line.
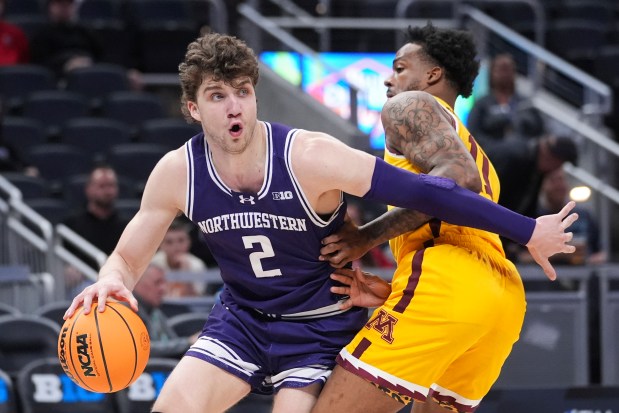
<point>313,143</point>
<point>404,101</point>
<point>172,164</point>
<point>313,148</point>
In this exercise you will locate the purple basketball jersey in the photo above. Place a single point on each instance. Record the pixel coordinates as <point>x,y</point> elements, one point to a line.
<point>277,324</point>
<point>267,243</point>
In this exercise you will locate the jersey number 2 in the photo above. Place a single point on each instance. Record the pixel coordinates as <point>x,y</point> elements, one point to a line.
<point>255,257</point>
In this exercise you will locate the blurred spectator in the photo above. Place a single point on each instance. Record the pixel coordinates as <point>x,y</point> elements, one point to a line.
<point>174,255</point>
<point>64,44</point>
<point>379,256</point>
<point>554,195</point>
<point>503,113</point>
<point>149,292</point>
<point>522,165</point>
<point>99,222</point>
<point>14,47</point>
<point>199,247</point>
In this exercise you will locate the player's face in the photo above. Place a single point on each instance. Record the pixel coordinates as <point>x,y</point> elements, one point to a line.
<point>228,112</point>
<point>409,71</point>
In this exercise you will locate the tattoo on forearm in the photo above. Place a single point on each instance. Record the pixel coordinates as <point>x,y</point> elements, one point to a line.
<point>395,222</point>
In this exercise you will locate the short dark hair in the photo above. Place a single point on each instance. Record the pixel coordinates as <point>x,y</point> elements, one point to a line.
<point>453,50</point>
<point>564,148</point>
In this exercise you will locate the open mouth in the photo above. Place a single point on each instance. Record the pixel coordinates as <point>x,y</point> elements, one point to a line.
<point>235,128</point>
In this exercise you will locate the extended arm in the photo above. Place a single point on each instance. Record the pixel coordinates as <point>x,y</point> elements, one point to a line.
<point>420,129</point>
<point>326,166</point>
<point>162,200</point>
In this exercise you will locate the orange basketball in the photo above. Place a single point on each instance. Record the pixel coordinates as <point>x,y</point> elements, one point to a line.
<point>104,352</point>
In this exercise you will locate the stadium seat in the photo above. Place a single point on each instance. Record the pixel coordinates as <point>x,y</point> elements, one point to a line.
<point>188,324</point>
<point>30,186</point>
<point>26,338</point>
<point>574,38</point>
<point>163,48</point>
<point>43,387</point>
<point>55,210</point>
<point>8,403</point>
<point>132,108</point>
<point>118,43</point>
<point>7,309</point>
<point>170,132</point>
<point>30,24</point>
<point>135,160</point>
<point>57,161</point>
<point>22,133</point>
<point>23,8</point>
<point>53,311</point>
<point>97,81</point>
<point>18,81</point>
<point>600,13</point>
<point>54,108</point>
<point>95,12</point>
<point>173,309</point>
<point>95,135</point>
<point>140,396</point>
<point>165,13</point>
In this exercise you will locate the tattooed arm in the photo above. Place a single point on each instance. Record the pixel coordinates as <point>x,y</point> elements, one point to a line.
<point>420,129</point>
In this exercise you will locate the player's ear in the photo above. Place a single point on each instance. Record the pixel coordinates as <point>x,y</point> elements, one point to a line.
<point>193,110</point>
<point>434,75</point>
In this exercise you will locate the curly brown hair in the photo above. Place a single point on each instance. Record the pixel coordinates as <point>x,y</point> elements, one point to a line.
<point>220,56</point>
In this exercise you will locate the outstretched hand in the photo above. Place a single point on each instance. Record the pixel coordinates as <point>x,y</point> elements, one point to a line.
<point>346,245</point>
<point>363,288</point>
<point>549,238</point>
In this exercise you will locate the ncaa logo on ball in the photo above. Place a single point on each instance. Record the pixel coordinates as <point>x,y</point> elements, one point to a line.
<point>83,355</point>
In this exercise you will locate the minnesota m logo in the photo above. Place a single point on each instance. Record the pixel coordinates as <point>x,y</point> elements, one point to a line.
<point>383,323</point>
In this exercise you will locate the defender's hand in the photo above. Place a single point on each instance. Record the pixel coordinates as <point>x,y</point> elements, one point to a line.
<point>363,288</point>
<point>549,238</point>
<point>346,245</point>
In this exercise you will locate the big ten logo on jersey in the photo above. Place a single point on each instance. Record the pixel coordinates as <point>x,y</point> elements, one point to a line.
<point>282,195</point>
<point>147,386</point>
<point>59,388</point>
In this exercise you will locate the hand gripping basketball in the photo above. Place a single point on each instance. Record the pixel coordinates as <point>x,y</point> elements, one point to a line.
<point>104,352</point>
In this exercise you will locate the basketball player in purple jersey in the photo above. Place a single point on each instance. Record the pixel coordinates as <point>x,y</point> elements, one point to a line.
<point>265,195</point>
